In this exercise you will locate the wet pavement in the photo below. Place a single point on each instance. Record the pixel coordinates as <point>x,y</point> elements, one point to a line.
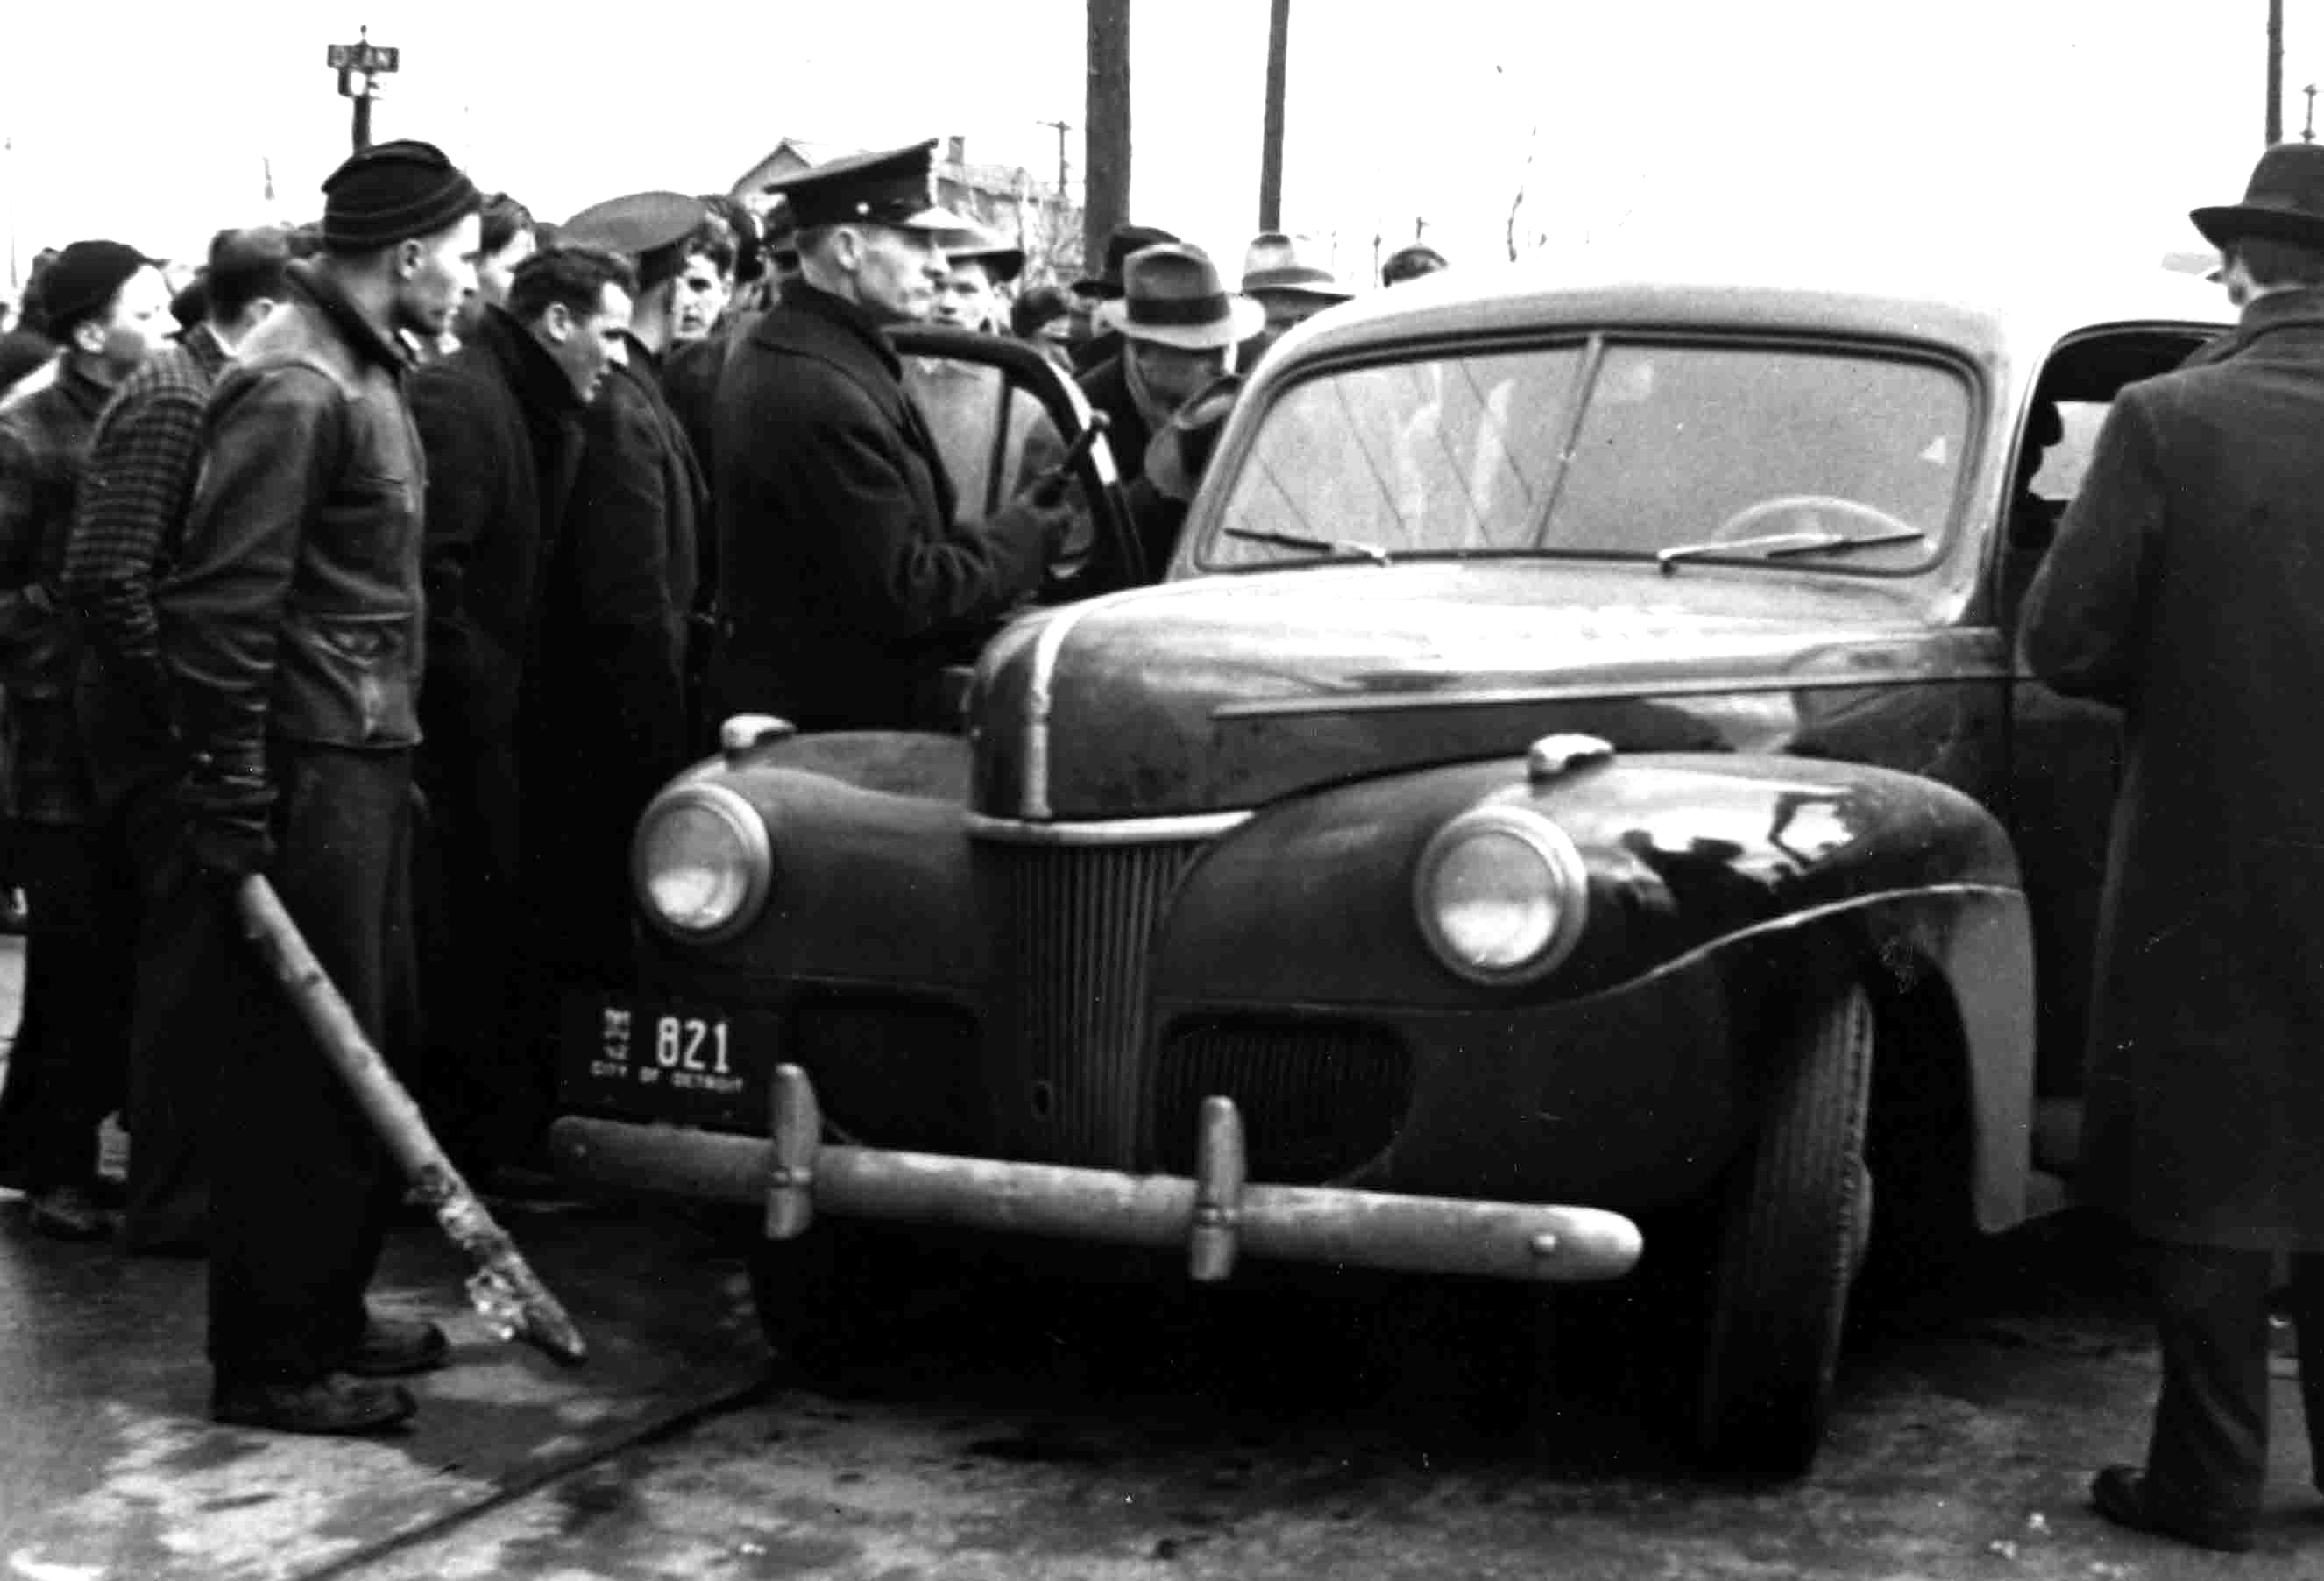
<point>109,1467</point>
<point>1286,1438</point>
<point>1024,1428</point>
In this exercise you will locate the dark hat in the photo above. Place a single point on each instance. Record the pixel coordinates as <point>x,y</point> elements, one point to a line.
<point>1124,240</point>
<point>1276,261</point>
<point>2285,201</point>
<point>1003,259</point>
<point>1172,294</point>
<point>895,188</point>
<point>85,277</point>
<point>651,228</point>
<point>393,192</point>
<point>1181,447</point>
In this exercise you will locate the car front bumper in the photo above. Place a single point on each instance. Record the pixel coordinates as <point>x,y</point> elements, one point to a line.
<point>1215,1213</point>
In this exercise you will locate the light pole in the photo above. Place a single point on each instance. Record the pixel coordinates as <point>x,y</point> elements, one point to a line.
<point>2308,132</point>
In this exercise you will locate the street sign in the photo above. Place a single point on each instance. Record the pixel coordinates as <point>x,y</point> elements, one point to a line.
<point>363,57</point>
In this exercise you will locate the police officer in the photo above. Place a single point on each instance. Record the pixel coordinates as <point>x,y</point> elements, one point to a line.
<point>847,586</point>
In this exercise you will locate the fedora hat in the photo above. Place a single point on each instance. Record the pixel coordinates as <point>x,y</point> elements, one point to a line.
<point>1123,240</point>
<point>2283,202</point>
<point>1171,295</point>
<point>1277,262</point>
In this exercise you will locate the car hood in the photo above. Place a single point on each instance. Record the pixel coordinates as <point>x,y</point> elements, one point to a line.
<point>1228,692</point>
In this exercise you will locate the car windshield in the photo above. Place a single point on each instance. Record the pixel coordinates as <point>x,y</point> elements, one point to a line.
<point>1716,450</point>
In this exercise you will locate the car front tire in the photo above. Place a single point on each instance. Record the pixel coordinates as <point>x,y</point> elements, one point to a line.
<point>1792,1235</point>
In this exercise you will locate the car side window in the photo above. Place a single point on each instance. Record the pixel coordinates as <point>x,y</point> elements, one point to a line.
<point>992,433</point>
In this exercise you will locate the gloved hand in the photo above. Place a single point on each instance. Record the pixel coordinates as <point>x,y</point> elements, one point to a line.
<point>228,834</point>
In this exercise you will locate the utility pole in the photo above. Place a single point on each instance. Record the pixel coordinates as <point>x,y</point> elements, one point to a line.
<point>1270,148</point>
<point>8,151</point>
<point>2308,133</point>
<point>1106,116</point>
<point>2275,72</point>
<point>360,66</point>
<point>1061,128</point>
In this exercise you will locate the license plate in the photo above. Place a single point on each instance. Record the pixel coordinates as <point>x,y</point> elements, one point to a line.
<point>654,1059</point>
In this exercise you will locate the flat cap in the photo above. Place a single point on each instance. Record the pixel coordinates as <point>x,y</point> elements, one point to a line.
<point>648,228</point>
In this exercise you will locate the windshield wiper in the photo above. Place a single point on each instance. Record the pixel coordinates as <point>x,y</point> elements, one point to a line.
<point>1776,545</point>
<point>1371,552</point>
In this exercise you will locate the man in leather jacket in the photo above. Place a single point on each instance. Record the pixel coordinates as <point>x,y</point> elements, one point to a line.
<point>291,631</point>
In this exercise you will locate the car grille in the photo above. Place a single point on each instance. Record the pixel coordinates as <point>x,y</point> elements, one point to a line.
<point>1318,1099</point>
<point>1080,928</point>
<point>892,1071</point>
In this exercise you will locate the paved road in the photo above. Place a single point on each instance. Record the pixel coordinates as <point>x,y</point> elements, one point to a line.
<point>1287,1437</point>
<point>1036,1430</point>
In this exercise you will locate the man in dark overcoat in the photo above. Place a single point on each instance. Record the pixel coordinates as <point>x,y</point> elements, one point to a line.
<point>612,720</point>
<point>2187,586</point>
<point>500,421</point>
<point>847,586</point>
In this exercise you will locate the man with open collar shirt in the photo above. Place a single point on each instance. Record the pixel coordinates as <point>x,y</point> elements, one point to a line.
<point>291,629</point>
<point>847,585</point>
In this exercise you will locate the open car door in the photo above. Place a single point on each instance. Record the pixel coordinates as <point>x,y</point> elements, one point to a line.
<point>1004,417</point>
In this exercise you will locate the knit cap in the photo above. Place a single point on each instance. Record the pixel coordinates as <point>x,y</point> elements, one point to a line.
<point>391,192</point>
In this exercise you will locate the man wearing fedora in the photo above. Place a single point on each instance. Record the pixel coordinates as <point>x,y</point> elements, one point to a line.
<point>2186,587</point>
<point>1095,345</point>
<point>848,587</point>
<point>1280,273</point>
<point>1179,329</point>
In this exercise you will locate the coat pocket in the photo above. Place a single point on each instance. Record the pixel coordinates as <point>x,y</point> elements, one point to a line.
<point>348,679</point>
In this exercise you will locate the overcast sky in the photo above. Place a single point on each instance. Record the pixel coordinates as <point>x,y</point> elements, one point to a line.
<point>1708,125</point>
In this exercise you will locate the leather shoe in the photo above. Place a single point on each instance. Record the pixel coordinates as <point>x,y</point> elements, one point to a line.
<point>396,1348</point>
<point>328,1406</point>
<point>2123,1496</point>
<point>69,1213</point>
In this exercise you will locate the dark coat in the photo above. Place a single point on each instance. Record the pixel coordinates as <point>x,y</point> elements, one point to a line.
<point>44,443</point>
<point>2187,586</point>
<point>639,507</point>
<point>1107,385</point>
<point>607,719</point>
<point>847,588</point>
<point>500,425</point>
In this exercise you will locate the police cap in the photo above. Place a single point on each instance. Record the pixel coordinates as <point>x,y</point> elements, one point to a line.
<point>895,189</point>
<point>649,228</point>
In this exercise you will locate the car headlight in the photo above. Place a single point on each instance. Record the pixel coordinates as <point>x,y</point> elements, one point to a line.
<point>702,863</point>
<point>1501,893</point>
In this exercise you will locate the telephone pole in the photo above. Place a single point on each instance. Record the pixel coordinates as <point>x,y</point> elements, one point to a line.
<point>1106,162</point>
<point>1061,128</point>
<point>2275,72</point>
<point>1270,148</point>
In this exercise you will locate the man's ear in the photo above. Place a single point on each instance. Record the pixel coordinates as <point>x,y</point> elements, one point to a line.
<point>557,323</point>
<point>406,258</point>
<point>89,335</point>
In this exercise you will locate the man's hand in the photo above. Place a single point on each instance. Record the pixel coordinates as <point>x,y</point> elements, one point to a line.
<point>228,832</point>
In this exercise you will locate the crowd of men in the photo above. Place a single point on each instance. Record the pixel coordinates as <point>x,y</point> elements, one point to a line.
<point>399,558</point>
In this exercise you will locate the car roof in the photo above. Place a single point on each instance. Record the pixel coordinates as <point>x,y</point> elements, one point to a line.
<point>1980,308</point>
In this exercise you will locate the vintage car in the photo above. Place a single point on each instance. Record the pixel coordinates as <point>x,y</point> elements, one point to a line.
<point>1571,793</point>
